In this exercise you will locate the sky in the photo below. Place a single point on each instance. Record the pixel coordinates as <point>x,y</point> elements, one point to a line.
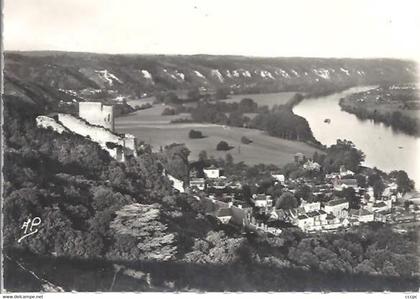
<point>311,28</point>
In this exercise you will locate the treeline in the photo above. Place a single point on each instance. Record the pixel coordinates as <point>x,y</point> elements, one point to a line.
<point>279,121</point>
<point>394,119</point>
<point>283,123</point>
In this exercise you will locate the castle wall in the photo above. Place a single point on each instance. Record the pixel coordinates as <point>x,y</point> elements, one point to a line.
<point>98,114</point>
<point>97,134</point>
<point>130,143</point>
<point>46,122</point>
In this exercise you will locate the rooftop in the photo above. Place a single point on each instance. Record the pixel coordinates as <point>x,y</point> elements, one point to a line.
<point>348,181</point>
<point>312,214</point>
<point>336,202</point>
<point>379,205</point>
<point>364,212</point>
<point>224,212</point>
<point>330,217</point>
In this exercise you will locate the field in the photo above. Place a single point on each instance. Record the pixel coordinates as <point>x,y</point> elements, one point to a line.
<point>148,125</point>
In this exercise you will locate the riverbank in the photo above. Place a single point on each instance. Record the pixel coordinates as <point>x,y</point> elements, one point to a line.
<point>397,106</point>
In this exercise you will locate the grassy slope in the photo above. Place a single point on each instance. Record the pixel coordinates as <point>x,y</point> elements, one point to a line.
<point>150,126</point>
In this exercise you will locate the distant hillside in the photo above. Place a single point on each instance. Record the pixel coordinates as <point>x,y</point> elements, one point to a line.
<point>84,75</point>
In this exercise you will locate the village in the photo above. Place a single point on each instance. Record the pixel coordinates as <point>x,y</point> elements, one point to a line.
<point>260,213</point>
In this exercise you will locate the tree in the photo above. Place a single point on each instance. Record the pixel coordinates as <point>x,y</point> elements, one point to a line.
<point>287,201</point>
<point>221,93</point>
<point>202,156</point>
<point>403,181</point>
<point>194,94</point>
<point>248,105</point>
<point>229,159</point>
<point>246,193</point>
<point>223,146</point>
<point>361,180</point>
<point>304,191</point>
<point>236,119</point>
<point>142,222</point>
<point>175,159</point>
<point>350,195</point>
<point>375,180</point>
<point>193,134</point>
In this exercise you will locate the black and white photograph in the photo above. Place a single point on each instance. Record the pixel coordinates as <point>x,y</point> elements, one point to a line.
<point>202,146</point>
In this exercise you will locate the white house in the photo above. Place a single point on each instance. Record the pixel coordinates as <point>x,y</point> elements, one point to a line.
<point>212,172</point>
<point>278,177</point>
<point>341,184</point>
<point>363,215</point>
<point>304,222</point>
<point>380,206</point>
<point>332,222</point>
<point>262,201</point>
<point>337,207</point>
<point>310,206</point>
<point>199,183</point>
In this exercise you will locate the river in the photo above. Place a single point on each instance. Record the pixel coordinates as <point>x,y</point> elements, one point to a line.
<point>384,148</point>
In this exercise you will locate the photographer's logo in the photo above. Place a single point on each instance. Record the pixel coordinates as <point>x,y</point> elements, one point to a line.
<point>29,227</point>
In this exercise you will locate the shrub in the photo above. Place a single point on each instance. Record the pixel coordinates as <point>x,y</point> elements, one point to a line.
<point>246,140</point>
<point>168,111</point>
<point>223,146</point>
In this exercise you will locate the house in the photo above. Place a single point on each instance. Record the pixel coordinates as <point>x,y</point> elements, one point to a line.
<point>290,215</point>
<point>361,215</point>
<point>311,165</point>
<point>212,172</point>
<point>332,222</point>
<point>278,177</point>
<point>304,222</point>
<point>345,172</point>
<point>310,206</point>
<point>380,206</point>
<point>224,215</point>
<point>262,201</point>
<point>219,183</point>
<point>413,196</point>
<point>340,184</point>
<point>198,183</point>
<point>337,207</point>
<point>380,217</point>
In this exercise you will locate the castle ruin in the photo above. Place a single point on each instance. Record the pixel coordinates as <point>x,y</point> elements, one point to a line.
<point>96,122</point>
<point>97,114</point>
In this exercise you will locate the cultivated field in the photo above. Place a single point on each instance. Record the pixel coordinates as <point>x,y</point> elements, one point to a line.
<point>150,126</point>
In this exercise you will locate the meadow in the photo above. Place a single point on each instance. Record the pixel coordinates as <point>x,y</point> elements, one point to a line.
<point>153,128</point>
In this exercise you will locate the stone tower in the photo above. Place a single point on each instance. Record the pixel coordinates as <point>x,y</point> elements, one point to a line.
<point>97,114</point>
